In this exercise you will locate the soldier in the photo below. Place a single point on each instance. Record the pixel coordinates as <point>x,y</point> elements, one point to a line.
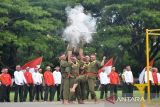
<point>65,70</point>
<point>73,75</point>
<point>6,83</point>
<point>83,82</point>
<point>91,74</point>
<point>92,70</point>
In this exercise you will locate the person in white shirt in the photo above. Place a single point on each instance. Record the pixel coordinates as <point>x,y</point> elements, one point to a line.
<point>158,76</point>
<point>104,81</point>
<point>57,79</point>
<point>150,80</point>
<point>41,85</point>
<point>150,76</point>
<point>20,81</point>
<point>128,77</point>
<point>37,79</point>
<point>123,83</point>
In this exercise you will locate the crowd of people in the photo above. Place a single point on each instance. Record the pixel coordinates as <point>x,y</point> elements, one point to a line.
<point>38,85</point>
<point>73,81</point>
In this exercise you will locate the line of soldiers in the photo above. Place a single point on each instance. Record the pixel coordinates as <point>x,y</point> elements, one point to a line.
<point>81,72</point>
<point>27,82</point>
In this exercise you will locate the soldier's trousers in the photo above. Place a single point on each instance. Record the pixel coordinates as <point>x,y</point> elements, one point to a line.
<point>78,93</point>
<point>66,89</point>
<point>91,86</point>
<point>83,89</point>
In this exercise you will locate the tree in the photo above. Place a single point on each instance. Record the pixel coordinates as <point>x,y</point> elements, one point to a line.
<point>122,26</point>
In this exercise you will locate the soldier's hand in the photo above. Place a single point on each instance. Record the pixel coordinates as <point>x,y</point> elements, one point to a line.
<point>104,57</point>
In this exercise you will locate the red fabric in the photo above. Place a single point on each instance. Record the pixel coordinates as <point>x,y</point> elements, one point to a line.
<point>28,77</point>
<point>108,63</point>
<point>48,78</point>
<point>151,62</point>
<point>6,79</point>
<point>155,78</point>
<point>33,63</point>
<point>114,78</point>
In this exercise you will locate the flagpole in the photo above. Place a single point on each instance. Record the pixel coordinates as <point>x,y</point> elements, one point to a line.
<point>147,61</point>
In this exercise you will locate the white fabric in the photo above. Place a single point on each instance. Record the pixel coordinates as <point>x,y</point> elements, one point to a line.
<point>158,76</point>
<point>37,78</point>
<point>123,76</point>
<point>128,76</point>
<point>19,78</point>
<point>104,79</point>
<point>108,69</point>
<point>57,77</point>
<point>141,76</point>
<point>150,77</point>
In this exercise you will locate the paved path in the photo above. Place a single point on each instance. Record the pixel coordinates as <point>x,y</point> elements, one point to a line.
<point>87,104</point>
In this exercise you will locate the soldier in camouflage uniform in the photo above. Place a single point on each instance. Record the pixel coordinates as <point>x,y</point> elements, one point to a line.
<point>65,70</point>
<point>73,75</point>
<point>91,74</point>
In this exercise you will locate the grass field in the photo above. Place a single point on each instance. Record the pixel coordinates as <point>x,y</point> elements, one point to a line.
<point>136,94</point>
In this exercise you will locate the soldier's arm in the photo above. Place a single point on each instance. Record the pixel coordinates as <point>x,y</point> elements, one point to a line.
<point>98,64</point>
<point>102,63</point>
<point>65,64</point>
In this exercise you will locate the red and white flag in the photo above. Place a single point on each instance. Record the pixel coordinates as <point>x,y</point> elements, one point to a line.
<point>33,64</point>
<point>142,74</point>
<point>107,67</point>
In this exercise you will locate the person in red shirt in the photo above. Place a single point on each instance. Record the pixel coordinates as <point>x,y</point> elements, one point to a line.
<point>49,83</point>
<point>114,82</point>
<point>6,82</point>
<point>29,85</point>
<point>155,88</point>
<point>0,88</point>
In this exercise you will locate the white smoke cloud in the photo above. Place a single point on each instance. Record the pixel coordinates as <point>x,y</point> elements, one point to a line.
<point>81,26</point>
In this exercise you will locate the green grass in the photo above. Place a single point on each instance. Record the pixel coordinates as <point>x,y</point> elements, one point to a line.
<point>136,94</point>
